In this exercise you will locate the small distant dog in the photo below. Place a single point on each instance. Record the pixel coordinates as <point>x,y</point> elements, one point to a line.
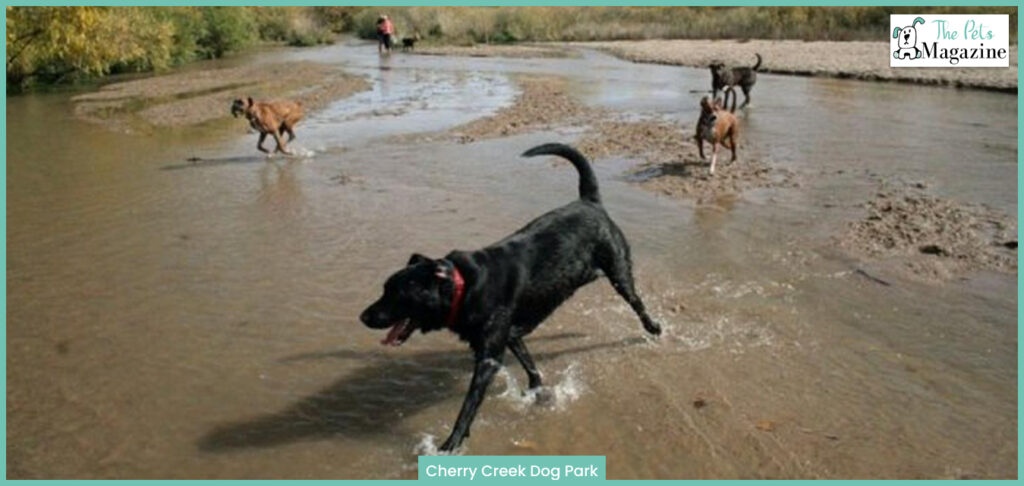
<point>716,124</point>
<point>270,117</point>
<point>409,43</point>
<point>495,296</point>
<point>726,79</point>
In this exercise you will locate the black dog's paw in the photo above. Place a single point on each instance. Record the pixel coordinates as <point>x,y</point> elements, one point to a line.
<point>653,328</point>
<point>543,396</point>
<point>448,447</point>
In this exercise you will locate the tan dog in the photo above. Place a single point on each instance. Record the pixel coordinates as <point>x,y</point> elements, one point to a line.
<point>270,117</point>
<point>716,124</point>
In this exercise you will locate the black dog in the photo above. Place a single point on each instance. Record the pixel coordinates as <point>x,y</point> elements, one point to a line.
<point>726,79</point>
<point>409,43</point>
<point>495,296</point>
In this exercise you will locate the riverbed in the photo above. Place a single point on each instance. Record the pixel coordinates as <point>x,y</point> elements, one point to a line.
<point>180,306</point>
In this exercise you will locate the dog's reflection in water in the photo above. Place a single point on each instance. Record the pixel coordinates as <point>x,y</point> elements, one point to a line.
<point>280,190</point>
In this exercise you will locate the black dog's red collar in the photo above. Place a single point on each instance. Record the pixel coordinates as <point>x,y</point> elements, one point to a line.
<point>458,292</point>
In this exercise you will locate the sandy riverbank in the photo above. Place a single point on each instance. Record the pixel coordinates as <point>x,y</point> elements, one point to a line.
<point>669,163</point>
<point>931,237</point>
<point>199,96</point>
<point>857,60</point>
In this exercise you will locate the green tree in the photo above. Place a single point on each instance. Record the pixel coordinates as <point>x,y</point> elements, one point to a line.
<point>54,43</point>
<point>226,29</point>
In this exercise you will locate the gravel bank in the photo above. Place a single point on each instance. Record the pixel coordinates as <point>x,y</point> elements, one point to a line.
<point>857,60</point>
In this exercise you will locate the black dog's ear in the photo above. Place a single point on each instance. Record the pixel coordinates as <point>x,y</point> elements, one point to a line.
<point>250,101</point>
<point>417,258</point>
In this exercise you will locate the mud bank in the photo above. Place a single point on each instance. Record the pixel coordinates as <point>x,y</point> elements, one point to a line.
<point>196,97</point>
<point>856,60</point>
<point>669,163</point>
<point>545,102</point>
<point>930,237</point>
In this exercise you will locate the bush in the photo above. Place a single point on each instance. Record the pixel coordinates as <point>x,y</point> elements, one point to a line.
<point>58,44</point>
<point>62,44</point>
<point>467,25</point>
<point>296,26</point>
<point>335,19</point>
<point>226,29</point>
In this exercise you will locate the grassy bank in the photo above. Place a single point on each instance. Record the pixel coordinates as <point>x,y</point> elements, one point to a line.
<point>50,45</point>
<point>469,25</point>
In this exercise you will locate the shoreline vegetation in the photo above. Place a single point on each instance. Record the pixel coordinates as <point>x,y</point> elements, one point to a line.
<point>57,45</point>
<point>60,45</point>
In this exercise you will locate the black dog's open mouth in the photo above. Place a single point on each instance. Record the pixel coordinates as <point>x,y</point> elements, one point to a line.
<point>399,332</point>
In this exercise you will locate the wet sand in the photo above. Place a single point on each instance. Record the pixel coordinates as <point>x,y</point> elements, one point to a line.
<point>854,60</point>
<point>177,319</point>
<point>203,95</point>
<point>543,103</point>
<point>932,238</point>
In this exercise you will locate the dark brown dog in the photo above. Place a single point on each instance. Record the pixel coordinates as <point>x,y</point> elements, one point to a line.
<point>270,117</point>
<point>716,124</point>
<point>726,79</point>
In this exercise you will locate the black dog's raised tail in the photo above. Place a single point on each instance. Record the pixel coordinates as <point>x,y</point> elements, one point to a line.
<point>588,181</point>
<point>758,64</point>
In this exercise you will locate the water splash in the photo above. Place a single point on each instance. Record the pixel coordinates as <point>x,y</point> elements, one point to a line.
<point>427,446</point>
<point>302,153</point>
<point>566,388</point>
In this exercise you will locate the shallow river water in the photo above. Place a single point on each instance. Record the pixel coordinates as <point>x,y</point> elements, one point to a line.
<point>170,319</point>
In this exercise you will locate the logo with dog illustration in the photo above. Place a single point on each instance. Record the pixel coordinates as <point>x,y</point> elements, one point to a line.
<point>907,41</point>
<point>962,40</point>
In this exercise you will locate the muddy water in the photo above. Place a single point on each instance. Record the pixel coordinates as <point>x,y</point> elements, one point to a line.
<point>174,319</point>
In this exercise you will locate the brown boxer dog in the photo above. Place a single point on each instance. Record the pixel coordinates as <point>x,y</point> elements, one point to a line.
<point>270,117</point>
<point>716,124</point>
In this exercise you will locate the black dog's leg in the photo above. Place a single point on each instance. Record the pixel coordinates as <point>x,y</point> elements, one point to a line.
<point>518,348</point>
<point>746,95</point>
<point>617,266</point>
<point>489,356</point>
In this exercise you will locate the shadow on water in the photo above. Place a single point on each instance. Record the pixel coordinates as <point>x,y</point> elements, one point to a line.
<point>199,163</point>
<point>692,169</point>
<point>374,399</point>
